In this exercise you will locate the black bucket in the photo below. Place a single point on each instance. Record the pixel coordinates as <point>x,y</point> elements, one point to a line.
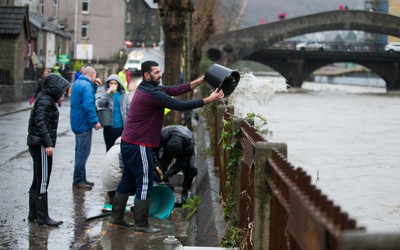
<point>218,76</point>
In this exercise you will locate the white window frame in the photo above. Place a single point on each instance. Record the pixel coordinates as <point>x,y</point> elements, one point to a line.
<point>85,26</point>
<point>86,11</point>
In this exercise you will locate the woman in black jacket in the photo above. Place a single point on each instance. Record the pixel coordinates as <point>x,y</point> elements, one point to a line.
<point>39,85</point>
<point>42,135</point>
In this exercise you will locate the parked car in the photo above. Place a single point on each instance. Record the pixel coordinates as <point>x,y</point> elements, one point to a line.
<point>392,47</point>
<point>133,65</point>
<point>310,46</point>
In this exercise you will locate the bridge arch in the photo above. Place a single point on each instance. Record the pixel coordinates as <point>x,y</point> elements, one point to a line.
<point>245,42</point>
<point>297,66</point>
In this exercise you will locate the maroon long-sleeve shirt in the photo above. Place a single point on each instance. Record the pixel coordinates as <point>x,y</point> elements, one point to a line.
<point>146,112</point>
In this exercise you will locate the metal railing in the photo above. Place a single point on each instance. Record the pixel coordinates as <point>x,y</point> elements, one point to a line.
<point>333,46</point>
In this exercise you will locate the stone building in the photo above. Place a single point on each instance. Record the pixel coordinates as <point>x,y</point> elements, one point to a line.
<point>96,28</point>
<point>49,43</point>
<point>142,26</point>
<point>92,32</point>
<point>15,36</point>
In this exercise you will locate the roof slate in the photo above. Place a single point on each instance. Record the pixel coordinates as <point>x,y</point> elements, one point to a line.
<point>12,20</point>
<point>40,23</point>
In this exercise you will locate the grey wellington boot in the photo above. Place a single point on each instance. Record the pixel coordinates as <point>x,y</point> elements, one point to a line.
<point>118,210</point>
<point>141,215</point>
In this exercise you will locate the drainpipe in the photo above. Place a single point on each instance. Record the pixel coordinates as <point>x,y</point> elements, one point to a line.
<point>76,26</point>
<point>56,9</point>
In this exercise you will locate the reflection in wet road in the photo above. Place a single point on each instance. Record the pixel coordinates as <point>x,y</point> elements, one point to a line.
<point>72,206</point>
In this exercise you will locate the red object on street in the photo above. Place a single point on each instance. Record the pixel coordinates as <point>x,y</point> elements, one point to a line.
<point>128,44</point>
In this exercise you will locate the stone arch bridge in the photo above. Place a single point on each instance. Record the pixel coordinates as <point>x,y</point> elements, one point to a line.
<point>227,48</point>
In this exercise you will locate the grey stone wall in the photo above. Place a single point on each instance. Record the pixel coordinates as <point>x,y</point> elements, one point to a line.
<point>7,77</point>
<point>12,68</point>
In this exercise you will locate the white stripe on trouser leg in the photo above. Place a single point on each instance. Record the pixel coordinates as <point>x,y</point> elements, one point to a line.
<point>145,180</point>
<point>45,168</point>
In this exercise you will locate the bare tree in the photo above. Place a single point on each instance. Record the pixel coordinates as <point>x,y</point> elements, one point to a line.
<point>208,20</point>
<point>202,14</point>
<point>202,27</point>
<point>172,15</point>
<point>205,19</point>
<point>233,11</point>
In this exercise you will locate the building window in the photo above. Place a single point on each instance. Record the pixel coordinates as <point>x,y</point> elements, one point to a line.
<point>41,8</point>
<point>85,31</point>
<point>61,26</point>
<point>85,6</point>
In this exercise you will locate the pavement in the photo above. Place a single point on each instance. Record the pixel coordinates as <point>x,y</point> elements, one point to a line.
<point>13,107</point>
<point>202,231</point>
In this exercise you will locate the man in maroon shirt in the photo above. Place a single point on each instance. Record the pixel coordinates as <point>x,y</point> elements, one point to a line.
<point>141,133</point>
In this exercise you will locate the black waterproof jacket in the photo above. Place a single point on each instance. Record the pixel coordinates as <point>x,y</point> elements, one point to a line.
<point>43,121</point>
<point>162,158</point>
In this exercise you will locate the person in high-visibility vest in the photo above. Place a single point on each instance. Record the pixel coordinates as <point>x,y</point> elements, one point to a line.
<point>122,76</point>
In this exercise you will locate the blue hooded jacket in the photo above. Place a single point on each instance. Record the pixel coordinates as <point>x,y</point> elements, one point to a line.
<point>83,115</point>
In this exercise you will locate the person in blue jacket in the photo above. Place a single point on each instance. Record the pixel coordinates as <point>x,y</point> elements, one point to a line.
<point>83,119</point>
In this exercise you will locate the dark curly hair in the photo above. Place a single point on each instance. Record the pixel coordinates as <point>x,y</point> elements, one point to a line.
<point>146,66</point>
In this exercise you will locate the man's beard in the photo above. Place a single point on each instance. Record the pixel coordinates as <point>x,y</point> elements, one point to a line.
<point>154,80</point>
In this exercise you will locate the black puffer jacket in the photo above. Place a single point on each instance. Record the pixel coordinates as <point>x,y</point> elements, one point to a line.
<point>187,145</point>
<point>181,132</point>
<point>43,121</point>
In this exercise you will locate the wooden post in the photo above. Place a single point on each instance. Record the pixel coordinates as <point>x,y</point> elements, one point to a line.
<point>262,195</point>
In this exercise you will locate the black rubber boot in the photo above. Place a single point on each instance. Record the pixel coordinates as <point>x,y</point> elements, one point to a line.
<point>32,205</point>
<point>141,215</point>
<point>187,182</point>
<point>184,196</point>
<point>43,213</point>
<point>111,195</point>
<point>118,210</point>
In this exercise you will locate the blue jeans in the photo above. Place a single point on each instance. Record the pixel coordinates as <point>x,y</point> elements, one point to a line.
<point>83,144</point>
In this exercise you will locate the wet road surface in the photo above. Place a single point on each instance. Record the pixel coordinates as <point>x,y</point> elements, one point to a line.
<point>70,205</point>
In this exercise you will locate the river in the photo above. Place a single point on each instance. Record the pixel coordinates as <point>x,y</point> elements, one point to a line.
<point>347,138</point>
